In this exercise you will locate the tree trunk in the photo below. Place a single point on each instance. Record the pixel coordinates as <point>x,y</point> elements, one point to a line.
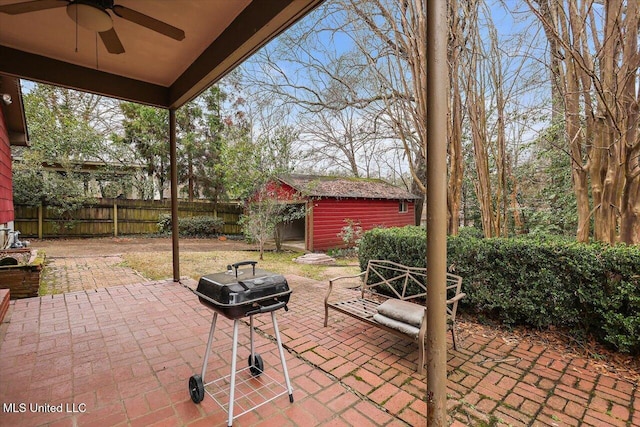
<point>456,170</point>
<point>477,114</point>
<point>630,199</point>
<point>191,180</point>
<point>518,223</point>
<point>630,215</point>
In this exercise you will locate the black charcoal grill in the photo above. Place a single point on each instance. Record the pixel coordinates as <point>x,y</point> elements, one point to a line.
<point>239,293</point>
<point>235,294</point>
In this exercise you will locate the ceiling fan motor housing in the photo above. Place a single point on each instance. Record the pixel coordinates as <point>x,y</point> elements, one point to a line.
<point>90,14</point>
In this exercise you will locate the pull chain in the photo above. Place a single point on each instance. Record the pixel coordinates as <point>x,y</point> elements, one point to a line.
<point>97,65</point>
<point>76,10</point>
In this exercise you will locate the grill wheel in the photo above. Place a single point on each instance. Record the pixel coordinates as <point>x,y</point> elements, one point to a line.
<point>257,367</point>
<point>196,388</point>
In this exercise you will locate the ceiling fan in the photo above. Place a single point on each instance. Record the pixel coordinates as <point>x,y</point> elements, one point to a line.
<point>93,15</point>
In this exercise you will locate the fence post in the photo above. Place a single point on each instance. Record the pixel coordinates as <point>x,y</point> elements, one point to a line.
<point>115,218</point>
<point>40,215</point>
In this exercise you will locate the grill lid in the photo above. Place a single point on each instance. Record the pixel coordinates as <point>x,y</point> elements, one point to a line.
<point>239,292</point>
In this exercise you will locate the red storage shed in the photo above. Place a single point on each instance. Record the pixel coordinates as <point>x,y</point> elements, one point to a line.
<point>330,201</point>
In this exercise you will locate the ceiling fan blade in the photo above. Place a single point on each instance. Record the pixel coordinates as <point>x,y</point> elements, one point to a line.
<point>31,6</point>
<point>148,22</point>
<point>112,41</point>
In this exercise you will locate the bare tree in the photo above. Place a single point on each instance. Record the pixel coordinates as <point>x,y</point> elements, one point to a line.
<point>343,141</point>
<point>596,63</point>
<point>493,82</point>
<point>391,36</point>
<point>324,92</point>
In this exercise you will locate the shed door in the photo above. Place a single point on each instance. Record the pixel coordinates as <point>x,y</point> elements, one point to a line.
<point>294,230</point>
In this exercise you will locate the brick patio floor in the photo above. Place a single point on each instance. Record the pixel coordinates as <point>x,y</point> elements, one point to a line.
<point>122,355</point>
<point>78,273</point>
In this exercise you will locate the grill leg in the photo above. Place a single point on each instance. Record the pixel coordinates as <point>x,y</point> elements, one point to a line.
<point>232,386</point>
<point>209,342</point>
<point>282,359</point>
<point>253,357</point>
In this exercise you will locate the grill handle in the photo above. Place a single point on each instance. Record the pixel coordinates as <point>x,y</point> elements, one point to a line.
<point>267,308</point>
<point>241,263</point>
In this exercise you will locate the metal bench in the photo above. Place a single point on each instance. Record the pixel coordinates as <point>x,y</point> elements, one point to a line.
<point>392,298</point>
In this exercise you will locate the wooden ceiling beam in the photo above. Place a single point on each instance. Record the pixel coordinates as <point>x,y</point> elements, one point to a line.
<point>41,69</point>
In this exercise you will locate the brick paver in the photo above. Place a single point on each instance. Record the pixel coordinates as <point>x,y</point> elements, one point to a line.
<point>122,355</point>
<point>70,274</point>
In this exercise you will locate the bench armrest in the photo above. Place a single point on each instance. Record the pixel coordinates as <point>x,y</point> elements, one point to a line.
<point>456,298</point>
<point>326,299</point>
<point>345,277</point>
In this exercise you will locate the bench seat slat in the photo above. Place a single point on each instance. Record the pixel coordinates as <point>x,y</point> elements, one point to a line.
<point>358,307</point>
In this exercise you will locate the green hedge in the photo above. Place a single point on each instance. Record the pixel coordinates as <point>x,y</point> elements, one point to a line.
<point>585,288</point>
<point>197,226</point>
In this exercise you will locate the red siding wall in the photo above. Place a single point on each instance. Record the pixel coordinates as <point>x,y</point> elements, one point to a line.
<point>329,215</point>
<point>281,191</point>
<point>6,189</point>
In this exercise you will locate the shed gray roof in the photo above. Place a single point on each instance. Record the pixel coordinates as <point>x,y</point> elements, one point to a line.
<point>341,187</point>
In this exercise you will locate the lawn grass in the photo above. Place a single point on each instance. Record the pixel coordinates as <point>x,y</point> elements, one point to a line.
<point>158,265</point>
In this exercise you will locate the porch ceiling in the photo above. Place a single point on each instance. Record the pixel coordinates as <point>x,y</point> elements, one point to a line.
<point>47,46</point>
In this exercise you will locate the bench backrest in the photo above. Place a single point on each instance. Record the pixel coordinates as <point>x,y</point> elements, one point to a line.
<point>406,283</point>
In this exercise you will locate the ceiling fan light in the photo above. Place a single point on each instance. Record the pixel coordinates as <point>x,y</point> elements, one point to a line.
<point>90,17</point>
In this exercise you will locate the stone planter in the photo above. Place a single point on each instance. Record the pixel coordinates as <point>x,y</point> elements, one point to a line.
<point>23,279</point>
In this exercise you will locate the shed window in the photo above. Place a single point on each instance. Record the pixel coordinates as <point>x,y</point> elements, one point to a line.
<point>403,206</point>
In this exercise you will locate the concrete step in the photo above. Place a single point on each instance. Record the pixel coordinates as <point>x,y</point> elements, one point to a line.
<point>314,258</point>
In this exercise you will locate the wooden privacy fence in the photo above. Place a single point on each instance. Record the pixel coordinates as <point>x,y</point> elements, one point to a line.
<point>113,217</point>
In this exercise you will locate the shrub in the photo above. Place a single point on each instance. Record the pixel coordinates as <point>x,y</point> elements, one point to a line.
<point>615,299</point>
<point>470,232</point>
<point>351,234</point>
<point>196,226</point>
<point>535,281</point>
<point>164,223</point>
<point>406,245</point>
